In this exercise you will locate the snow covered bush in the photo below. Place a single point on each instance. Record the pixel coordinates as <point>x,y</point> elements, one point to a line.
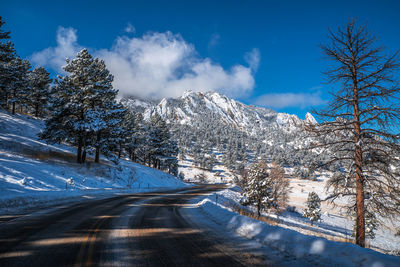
<point>313,210</point>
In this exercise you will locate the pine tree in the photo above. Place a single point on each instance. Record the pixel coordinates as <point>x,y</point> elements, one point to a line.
<point>85,112</point>
<point>163,151</point>
<point>210,162</point>
<point>7,54</point>
<point>79,83</point>
<point>158,134</point>
<point>104,114</point>
<point>313,210</point>
<point>128,135</point>
<point>139,139</point>
<point>258,190</point>
<point>58,127</point>
<point>18,87</point>
<point>39,80</point>
<point>110,134</point>
<point>171,161</point>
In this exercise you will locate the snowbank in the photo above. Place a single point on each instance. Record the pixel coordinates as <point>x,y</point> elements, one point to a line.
<point>307,248</point>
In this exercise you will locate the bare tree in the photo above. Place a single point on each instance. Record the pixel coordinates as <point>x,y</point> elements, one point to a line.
<point>360,124</point>
<point>280,186</point>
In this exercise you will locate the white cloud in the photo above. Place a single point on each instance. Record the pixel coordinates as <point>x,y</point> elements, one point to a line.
<point>163,64</point>
<point>54,57</point>
<point>156,65</point>
<point>129,28</point>
<point>284,100</point>
<point>253,58</point>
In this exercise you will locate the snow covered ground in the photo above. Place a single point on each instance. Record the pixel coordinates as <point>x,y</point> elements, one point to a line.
<point>279,243</point>
<point>219,174</point>
<point>335,223</point>
<point>33,173</point>
<point>334,227</point>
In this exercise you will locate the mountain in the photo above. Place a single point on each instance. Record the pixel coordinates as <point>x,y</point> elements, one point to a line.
<point>192,108</point>
<point>212,129</point>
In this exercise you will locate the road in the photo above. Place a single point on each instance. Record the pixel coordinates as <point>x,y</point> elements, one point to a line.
<point>129,230</point>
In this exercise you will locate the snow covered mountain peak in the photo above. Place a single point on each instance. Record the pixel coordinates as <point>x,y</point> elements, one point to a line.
<point>198,108</point>
<point>310,118</point>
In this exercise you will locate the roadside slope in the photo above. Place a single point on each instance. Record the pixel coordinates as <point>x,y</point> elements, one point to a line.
<point>32,171</point>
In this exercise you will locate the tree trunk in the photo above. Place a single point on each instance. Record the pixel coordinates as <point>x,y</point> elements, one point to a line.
<point>120,150</point>
<point>7,104</point>
<point>13,108</point>
<point>360,209</point>
<point>37,110</point>
<point>97,157</point>
<point>259,209</point>
<point>79,151</point>
<point>84,155</point>
<point>84,149</point>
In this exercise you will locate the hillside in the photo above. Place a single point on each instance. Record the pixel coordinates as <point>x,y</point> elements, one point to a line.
<point>210,124</point>
<point>32,171</point>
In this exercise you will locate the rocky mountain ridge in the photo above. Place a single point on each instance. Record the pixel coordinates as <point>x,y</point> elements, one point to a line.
<point>192,108</point>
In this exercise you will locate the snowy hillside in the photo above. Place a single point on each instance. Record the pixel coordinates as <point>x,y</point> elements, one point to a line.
<point>212,125</point>
<point>31,170</point>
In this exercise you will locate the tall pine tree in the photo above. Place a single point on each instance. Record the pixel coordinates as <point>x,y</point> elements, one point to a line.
<point>40,81</point>
<point>7,54</point>
<point>85,112</point>
<point>18,87</point>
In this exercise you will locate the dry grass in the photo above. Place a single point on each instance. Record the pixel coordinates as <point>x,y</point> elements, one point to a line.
<point>50,155</point>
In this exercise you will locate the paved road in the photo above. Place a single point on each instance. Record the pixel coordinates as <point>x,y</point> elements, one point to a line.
<point>130,230</point>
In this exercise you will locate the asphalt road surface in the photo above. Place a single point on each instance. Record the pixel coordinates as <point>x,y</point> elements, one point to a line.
<point>129,230</point>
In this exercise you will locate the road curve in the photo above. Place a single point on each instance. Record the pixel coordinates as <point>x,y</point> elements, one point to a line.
<point>129,230</point>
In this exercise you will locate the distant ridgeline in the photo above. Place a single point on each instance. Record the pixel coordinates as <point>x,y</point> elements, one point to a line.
<point>212,128</point>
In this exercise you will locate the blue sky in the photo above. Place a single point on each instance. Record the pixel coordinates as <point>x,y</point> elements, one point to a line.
<point>259,52</point>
